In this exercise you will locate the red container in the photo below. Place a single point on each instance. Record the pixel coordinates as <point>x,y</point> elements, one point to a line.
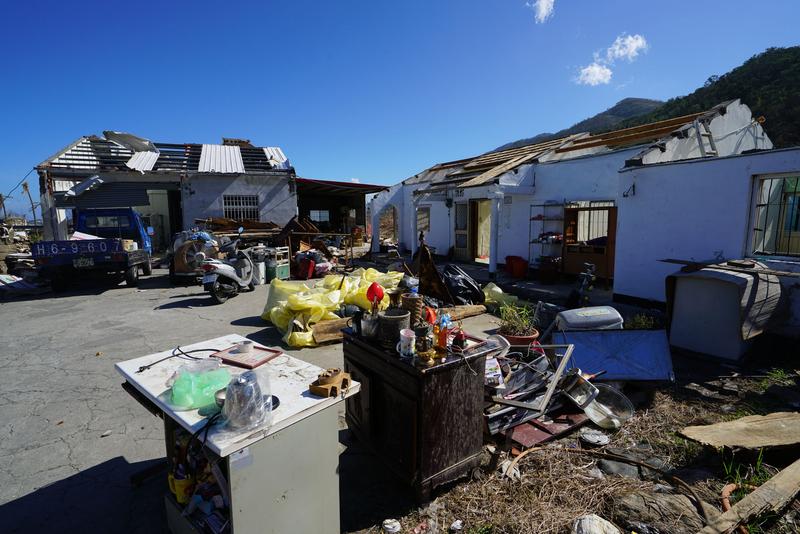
<point>516,266</point>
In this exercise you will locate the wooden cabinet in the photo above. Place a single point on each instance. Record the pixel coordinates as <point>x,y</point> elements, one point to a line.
<point>425,424</point>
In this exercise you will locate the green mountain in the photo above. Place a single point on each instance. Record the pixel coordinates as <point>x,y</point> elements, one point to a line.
<point>769,83</point>
<point>607,120</point>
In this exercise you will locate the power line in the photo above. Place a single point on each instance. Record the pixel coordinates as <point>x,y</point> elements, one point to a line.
<point>20,182</point>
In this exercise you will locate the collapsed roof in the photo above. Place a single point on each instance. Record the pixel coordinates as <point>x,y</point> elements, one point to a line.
<point>486,168</point>
<point>125,152</point>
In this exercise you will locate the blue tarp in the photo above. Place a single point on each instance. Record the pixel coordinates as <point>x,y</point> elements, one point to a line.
<point>624,354</point>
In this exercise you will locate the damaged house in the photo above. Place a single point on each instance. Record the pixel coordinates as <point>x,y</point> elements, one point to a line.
<point>169,184</point>
<point>554,201</point>
<point>173,185</point>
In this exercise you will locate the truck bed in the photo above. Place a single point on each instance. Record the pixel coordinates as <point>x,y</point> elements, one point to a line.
<point>99,254</point>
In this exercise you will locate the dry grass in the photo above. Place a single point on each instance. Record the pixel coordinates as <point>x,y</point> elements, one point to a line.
<point>555,487</point>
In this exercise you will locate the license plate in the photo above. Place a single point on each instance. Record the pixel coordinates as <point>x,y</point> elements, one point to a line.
<point>209,278</point>
<point>83,262</point>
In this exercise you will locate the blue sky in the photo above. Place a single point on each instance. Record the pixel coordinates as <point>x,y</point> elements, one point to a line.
<point>370,90</point>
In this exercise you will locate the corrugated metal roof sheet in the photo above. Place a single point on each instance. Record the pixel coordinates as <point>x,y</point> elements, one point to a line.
<point>276,157</point>
<point>143,161</point>
<point>221,159</point>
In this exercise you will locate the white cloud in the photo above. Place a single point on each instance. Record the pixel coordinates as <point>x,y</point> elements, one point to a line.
<point>355,180</point>
<point>542,9</point>
<point>594,74</point>
<point>626,47</point>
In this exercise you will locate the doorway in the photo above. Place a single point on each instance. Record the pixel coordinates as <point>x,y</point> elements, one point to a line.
<point>473,224</point>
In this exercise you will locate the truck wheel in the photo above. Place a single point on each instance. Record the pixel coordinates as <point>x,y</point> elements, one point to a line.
<point>173,278</point>
<point>218,294</point>
<point>147,268</point>
<point>59,284</point>
<point>132,276</point>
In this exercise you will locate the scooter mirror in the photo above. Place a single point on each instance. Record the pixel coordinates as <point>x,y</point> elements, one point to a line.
<point>241,229</point>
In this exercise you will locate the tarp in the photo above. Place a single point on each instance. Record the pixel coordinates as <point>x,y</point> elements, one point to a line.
<point>623,354</point>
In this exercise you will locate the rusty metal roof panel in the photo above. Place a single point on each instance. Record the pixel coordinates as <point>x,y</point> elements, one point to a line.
<point>222,159</point>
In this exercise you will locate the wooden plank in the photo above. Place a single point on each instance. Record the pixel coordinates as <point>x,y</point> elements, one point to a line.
<point>751,432</point>
<point>772,496</point>
<point>677,121</point>
<point>331,331</point>
<point>621,140</point>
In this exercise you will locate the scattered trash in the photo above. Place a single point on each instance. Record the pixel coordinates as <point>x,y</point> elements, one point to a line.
<point>594,437</point>
<point>105,434</point>
<point>98,353</point>
<point>593,524</point>
<point>661,512</point>
<point>457,526</point>
<point>60,423</point>
<point>509,471</point>
<point>391,526</point>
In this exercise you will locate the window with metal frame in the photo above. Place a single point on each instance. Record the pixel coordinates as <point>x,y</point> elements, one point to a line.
<point>592,224</point>
<point>319,215</point>
<point>241,207</point>
<point>776,215</point>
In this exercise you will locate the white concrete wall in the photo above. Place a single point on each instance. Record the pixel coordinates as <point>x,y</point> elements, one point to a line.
<point>202,196</point>
<point>392,197</point>
<point>587,178</point>
<point>734,132</point>
<point>692,211</point>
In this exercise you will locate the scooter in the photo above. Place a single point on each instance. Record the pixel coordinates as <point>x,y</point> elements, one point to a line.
<point>224,279</point>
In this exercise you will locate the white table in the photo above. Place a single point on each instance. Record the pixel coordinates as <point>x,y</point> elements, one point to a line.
<point>280,479</point>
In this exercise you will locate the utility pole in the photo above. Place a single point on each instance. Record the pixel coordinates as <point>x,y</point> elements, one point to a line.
<point>3,205</point>
<point>33,206</point>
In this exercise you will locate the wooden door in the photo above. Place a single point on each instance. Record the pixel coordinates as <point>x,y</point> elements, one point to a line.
<point>462,242</point>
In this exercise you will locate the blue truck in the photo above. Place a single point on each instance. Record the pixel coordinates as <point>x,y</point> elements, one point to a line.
<point>123,246</point>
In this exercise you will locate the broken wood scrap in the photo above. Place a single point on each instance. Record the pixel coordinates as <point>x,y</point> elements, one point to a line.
<point>331,331</point>
<point>772,496</point>
<point>751,432</point>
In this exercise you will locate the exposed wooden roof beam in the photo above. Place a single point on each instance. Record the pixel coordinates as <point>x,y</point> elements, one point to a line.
<point>622,140</point>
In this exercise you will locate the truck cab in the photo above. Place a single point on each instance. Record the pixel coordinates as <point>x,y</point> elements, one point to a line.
<point>110,223</point>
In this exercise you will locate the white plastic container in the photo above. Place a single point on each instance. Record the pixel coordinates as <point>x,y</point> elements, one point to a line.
<point>591,318</point>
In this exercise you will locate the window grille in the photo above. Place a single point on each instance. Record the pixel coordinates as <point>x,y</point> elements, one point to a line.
<point>240,207</point>
<point>776,218</point>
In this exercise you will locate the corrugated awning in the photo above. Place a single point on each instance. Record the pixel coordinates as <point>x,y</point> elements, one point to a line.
<point>308,185</point>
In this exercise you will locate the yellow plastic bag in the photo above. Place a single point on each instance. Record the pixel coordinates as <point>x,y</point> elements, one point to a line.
<point>495,295</point>
<point>293,308</point>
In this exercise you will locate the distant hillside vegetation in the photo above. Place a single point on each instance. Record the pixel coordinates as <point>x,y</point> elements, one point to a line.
<point>607,120</point>
<point>769,83</point>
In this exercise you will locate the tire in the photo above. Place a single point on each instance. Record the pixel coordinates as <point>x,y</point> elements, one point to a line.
<point>147,267</point>
<point>59,284</point>
<point>218,294</point>
<point>173,278</point>
<point>251,286</point>
<point>132,276</point>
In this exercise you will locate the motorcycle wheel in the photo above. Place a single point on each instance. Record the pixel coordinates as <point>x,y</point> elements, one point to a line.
<point>218,293</point>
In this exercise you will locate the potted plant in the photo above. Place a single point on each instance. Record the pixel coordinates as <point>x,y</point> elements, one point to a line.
<point>517,324</point>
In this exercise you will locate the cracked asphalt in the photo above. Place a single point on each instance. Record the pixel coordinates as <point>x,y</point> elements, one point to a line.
<point>72,437</point>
